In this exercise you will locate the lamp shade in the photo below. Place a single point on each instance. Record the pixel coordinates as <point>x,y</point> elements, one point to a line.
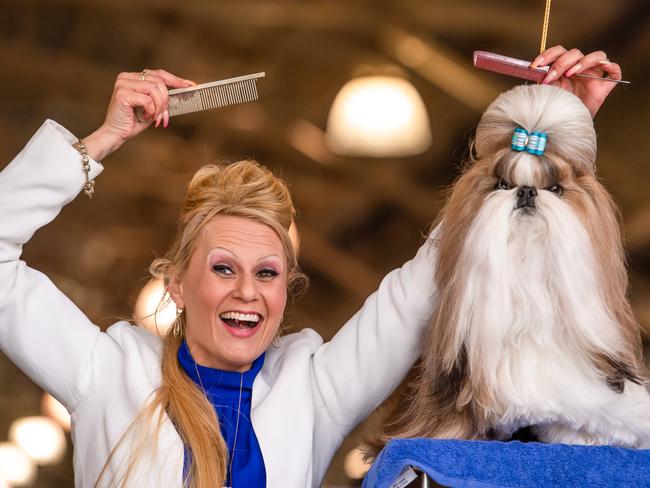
<point>154,309</point>
<point>354,465</point>
<point>41,438</point>
<point>378,116</point>
<point>16,467</point>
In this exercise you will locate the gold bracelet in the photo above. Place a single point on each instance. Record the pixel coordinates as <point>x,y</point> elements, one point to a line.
<point>89,186</point>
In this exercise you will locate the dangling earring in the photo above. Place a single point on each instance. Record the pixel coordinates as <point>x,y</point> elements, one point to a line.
<point>177,326</point>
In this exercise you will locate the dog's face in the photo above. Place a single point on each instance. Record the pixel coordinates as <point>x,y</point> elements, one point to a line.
<point>546,203</point>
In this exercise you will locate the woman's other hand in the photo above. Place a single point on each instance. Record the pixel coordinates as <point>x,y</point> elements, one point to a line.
<point>564,64</point>
<point>147,90</point>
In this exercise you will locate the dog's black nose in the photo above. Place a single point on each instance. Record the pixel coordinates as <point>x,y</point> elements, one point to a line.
<point>526,197</point>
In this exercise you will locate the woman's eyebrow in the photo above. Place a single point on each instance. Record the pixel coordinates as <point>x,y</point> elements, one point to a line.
<point>269,256</point>
<point>222,249</point>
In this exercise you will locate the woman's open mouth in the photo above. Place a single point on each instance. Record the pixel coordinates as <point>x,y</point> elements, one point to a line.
<point>239,320</point>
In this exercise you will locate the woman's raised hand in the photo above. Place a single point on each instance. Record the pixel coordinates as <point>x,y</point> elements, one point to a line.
<point>147,90</point>
<point>564,64</point>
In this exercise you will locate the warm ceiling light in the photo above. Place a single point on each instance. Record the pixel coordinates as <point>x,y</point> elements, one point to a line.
<point>154,309</point>
<point>51,407</point>
<point>378,116</point>
<point>15,466</point>
<point>354,465</point>
<point>41,438</point>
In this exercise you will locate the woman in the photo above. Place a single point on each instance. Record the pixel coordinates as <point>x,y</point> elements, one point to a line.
<point>143,408</point>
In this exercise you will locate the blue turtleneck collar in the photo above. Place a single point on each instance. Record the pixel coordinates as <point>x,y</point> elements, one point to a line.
<point>218,379</point>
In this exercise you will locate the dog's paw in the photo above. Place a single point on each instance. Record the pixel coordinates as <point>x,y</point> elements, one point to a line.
<point>562,434</point>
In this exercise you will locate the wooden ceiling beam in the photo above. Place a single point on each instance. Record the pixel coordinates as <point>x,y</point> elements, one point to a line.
<point>313,15</point>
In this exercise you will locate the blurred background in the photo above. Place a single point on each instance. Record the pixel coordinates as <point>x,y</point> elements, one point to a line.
<point>362,207</point>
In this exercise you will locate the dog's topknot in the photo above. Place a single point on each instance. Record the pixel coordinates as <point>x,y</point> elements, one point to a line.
<point>542,108</point>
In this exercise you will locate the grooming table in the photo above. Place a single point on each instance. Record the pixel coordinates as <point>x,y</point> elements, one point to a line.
<point>491,464</point>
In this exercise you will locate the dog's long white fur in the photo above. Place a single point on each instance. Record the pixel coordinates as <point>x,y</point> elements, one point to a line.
<point>531,307</point>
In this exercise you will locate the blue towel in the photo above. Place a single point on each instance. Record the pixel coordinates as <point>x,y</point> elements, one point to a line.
<point>489,464</point>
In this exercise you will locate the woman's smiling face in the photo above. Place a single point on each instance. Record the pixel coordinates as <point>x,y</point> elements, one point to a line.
<point>233,291</point>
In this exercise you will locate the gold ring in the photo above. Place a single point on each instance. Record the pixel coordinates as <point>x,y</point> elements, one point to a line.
<point>144,74</point>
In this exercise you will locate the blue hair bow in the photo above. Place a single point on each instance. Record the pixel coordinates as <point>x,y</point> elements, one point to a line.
<point>534,142</point>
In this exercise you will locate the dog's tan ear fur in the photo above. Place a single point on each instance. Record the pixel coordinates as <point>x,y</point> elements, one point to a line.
<point>600,216</point>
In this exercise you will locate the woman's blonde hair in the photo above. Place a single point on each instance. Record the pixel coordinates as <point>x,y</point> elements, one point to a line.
<point>242,189</point>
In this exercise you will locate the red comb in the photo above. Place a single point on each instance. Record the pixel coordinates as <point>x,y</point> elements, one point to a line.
<point>521,69</point>
<point>508,66</point>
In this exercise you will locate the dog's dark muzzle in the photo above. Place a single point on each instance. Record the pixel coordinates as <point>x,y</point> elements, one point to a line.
<point>526,197</point>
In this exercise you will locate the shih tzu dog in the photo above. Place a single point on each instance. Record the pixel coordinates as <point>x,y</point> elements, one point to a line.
<point>534,329</point>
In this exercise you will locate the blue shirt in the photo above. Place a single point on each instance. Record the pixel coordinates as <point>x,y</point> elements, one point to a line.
<point>223,391</point>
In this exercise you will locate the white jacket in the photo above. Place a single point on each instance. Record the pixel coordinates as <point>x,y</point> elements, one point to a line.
<point>308,396</point>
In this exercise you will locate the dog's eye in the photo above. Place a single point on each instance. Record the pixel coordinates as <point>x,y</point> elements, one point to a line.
<point>503,185</point>
<point>557,189</point>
